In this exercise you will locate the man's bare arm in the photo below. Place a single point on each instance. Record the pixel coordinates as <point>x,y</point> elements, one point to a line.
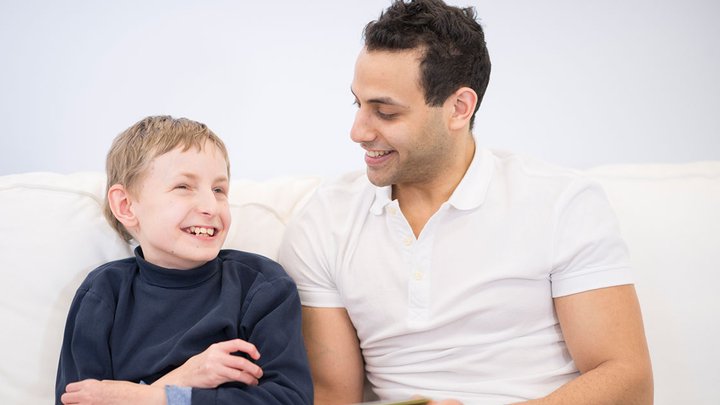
<point>334,353</point>
<point>604,333</point>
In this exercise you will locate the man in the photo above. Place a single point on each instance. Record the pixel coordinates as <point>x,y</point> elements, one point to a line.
<point>452,271</point>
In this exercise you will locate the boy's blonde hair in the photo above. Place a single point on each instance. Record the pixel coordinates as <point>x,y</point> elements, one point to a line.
<point>133,150</point>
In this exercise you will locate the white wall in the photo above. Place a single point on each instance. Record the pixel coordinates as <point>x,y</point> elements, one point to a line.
<point>579,83</point>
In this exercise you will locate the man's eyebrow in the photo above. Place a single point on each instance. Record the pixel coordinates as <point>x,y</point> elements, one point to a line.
<point>381,100</point>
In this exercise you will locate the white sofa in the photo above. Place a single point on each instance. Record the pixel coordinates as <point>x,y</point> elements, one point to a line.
<point>52,233</point>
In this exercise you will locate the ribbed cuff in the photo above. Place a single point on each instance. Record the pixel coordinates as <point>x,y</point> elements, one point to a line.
<point>178,395</point>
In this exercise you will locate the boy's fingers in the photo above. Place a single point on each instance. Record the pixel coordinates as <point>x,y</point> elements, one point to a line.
<point>72,387</point>
<point>76,386</point>
<point>239,363</point>
<point>241,376</point>
<point>239,345</point>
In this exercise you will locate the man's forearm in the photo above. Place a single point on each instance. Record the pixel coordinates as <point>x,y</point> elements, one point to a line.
<point>612,382</point>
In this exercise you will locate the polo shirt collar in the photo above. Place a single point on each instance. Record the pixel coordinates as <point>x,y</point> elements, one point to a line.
<point>383,197</point>
<point>470,192</point>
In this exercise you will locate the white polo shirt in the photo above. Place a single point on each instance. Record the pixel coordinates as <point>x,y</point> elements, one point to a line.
<point>464,311</point>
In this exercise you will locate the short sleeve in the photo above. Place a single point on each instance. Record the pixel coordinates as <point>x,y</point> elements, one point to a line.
<point>588,250</point>
<point>306,254</point>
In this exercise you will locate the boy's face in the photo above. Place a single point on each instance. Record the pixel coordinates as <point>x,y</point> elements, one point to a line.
<point>181,206</point>
<point>406,141</point>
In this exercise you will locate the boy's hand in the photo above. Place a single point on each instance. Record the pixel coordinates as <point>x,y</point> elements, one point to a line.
<point>216,365</point>
<point>108,392</point>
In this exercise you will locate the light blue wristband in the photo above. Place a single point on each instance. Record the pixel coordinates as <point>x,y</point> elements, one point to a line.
<point>178,395</point>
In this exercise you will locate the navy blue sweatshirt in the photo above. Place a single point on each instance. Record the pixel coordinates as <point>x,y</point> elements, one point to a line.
<point>131,320</point>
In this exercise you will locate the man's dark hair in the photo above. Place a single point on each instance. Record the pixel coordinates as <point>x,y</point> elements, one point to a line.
<point>455,54</point>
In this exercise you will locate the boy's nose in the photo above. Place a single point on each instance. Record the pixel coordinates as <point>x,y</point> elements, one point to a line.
<point>206,202</point>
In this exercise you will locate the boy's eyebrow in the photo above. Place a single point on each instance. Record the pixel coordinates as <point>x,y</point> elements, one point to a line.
<point>187,175</point>
<point>193,176</point>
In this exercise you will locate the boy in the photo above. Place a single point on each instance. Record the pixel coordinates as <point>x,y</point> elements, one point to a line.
<point>164,326</point>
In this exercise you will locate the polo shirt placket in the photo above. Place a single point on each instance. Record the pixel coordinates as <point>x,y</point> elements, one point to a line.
<point>417,255</point>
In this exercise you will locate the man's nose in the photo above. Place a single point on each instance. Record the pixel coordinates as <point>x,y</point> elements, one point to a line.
<point>361,130</point>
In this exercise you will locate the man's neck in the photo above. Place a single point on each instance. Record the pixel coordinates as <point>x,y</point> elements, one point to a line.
<point>419,201</point>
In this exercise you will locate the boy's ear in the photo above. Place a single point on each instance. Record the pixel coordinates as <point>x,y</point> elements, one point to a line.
<point>120,204</point>
<point>463,101</point>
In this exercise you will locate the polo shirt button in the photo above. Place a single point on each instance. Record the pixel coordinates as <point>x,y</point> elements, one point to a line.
<point>418,275</point>
<point>408,241</point>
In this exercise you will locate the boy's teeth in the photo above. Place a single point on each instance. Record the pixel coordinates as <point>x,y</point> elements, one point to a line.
<point>197,230</point>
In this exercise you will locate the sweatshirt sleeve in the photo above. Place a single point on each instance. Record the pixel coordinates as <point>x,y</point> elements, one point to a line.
<point>85,351</point>
<point>272,322</point>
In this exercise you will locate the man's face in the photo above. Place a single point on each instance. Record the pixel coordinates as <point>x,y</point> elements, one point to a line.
<point>405,140</point>
<point>182,208</point>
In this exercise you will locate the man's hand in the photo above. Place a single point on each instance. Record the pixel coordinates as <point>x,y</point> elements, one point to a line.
<point>109,392</point>
<point>216,365</point>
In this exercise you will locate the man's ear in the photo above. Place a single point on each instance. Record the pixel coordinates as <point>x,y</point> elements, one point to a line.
<point>120,203</point>
<point>463,102</point>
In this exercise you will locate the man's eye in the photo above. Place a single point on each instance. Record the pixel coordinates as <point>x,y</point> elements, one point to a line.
<point>385,116</point>
<point>219,190</point>
<point>182,187</point>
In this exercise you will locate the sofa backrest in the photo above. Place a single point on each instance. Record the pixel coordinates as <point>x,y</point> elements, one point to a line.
<point>52,233</point>
<point>670,217</point>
